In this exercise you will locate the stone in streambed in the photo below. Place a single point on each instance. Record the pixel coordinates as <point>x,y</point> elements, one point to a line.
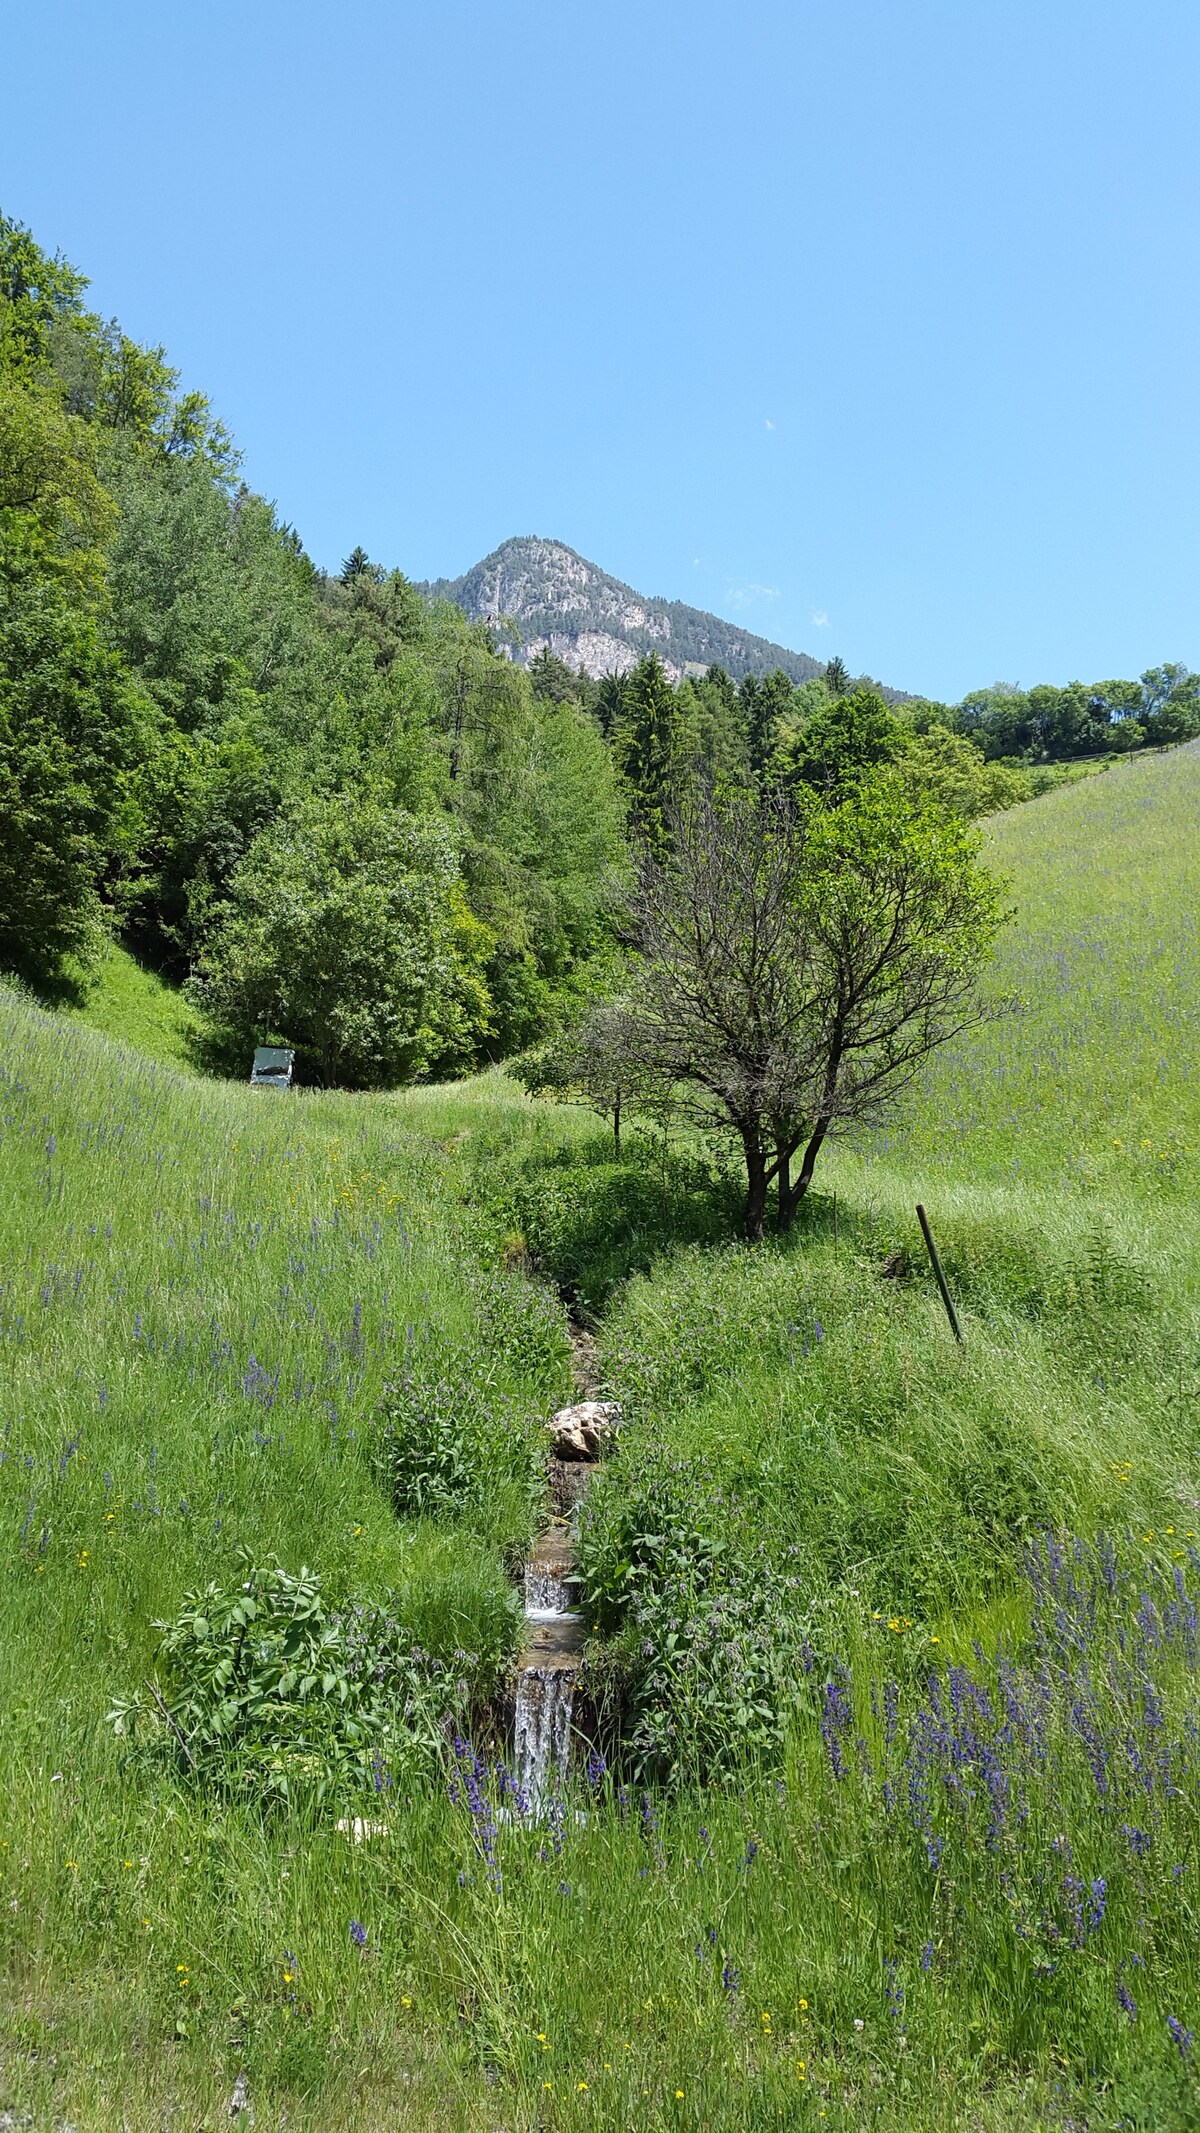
<point>578,1430</point>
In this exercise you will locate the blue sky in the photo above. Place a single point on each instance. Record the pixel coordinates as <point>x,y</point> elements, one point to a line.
<point>870,324</point>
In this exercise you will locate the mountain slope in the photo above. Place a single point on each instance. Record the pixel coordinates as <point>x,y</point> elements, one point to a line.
<point>600,626</point>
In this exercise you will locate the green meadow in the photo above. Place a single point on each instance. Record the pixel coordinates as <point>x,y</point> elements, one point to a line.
<point>890,1817</point>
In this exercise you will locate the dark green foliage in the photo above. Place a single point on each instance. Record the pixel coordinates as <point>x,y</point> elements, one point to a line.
<point>706,1628</point>
<point>589,1221</point>
<point>650,747</point>
<point>74,734</point>
<point>837,745</point>
<point>553,681</point>
<point>1047,724</point>
<point>266,1688</point>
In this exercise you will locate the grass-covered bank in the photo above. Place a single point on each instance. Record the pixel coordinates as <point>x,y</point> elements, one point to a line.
<point>205,1292</point>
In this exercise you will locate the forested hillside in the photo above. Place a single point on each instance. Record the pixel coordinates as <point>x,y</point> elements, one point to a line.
<point>335,811</point>
<point>333,808</point>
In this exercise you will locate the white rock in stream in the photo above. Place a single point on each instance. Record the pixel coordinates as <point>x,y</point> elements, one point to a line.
<point>578,1429</point>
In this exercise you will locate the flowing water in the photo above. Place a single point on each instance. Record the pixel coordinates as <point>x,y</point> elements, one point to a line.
<point>554,1628</point>
<point>550,1662</point>
<point>543,1732</point>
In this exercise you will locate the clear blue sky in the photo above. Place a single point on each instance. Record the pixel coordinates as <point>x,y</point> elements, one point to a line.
<point>871,324</point>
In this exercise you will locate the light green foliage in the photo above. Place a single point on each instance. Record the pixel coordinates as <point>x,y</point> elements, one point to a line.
<point>339,937</point>
<point>133,1005</point>
<point>448,1439</point>
<point>941,768</point>
<point>269,1691</point>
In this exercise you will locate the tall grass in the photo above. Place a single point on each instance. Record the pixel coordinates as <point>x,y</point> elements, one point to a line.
<point>926,1908</point>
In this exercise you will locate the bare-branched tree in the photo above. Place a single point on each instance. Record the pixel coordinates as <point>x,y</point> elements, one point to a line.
<point>795,966</point>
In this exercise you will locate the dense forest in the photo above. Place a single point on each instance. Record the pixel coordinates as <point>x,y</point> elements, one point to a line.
<point>328,805</point>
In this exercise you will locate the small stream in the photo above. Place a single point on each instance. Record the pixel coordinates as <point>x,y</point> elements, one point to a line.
<point>555,1631</point>
<point>549,1669</point>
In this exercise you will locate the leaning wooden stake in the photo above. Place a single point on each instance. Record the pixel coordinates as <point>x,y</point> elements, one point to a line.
<point>931,1248</point>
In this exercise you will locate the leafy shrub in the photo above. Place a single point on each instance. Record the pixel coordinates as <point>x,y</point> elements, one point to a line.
<point>523,1329</point>
<point>707,1630</point>
<point>449,1442</point>
<point>265,1687</point>
<point>589,1222</point>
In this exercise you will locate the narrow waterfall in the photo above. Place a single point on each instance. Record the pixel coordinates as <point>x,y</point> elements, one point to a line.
<point>554,1627</point>
<point>549,1670</point>
<point>543,1731</point>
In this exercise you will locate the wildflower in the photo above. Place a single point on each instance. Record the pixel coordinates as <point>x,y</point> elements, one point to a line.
<point>859,2024</point>
<point>1181,2036</point>
<point>800,2065</point>
<point>1125,2000</point>
<point>358,1934</point>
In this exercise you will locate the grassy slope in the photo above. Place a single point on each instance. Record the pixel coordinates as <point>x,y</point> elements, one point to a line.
<point>139,1009</point>
<point>1106,954</point>
<point>159,1233</point>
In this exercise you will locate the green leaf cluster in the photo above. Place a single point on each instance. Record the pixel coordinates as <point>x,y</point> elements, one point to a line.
<point>264,1688</point>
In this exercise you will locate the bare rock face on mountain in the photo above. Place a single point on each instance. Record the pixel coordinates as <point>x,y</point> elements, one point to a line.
<point>599,626</point>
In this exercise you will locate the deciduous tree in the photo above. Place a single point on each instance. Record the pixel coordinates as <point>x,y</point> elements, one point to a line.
<point>795,968</point>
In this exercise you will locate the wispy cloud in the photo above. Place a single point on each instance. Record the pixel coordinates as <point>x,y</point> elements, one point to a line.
<point>767,423</point>
<point>747,595</point>
<point>820,620</point>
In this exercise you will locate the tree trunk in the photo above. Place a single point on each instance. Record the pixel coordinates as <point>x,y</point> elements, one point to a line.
<point>617,1127</point>
<point>811,1153</point>
<point>786,1206</point>
<point>757,1181</point>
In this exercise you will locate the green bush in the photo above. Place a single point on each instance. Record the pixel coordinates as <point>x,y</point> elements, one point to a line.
<point>266,1688</point>
<point>706,1625</point>
<point>589,1222</point>
<point>449,1442</point>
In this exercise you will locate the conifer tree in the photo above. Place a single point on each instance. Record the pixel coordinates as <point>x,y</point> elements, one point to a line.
<point>649,748</point>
